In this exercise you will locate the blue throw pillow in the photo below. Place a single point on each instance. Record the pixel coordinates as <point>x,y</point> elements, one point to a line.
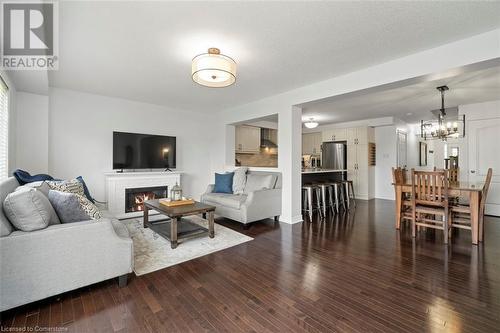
<point>85,189</point>
<point>24,177</point>
<point>224,183</point>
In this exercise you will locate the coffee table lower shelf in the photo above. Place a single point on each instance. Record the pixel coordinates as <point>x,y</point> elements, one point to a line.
<point>185,228</point>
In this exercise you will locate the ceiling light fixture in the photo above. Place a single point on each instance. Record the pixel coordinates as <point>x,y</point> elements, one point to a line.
<point>311,123</point>
<point>213,69</point>
<point>446,126</point>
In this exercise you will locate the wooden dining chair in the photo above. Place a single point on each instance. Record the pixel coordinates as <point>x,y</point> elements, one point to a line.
<point>453,174</point>
<point>398,178</point>
<point>460,213</point>
<point>430,201</point>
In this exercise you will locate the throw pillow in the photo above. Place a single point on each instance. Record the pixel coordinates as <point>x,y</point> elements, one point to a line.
<point>259,182</point>
<point>85,189</point>
<point>24,177</point>
<point>239,180</point>
<point>44,189</point>
<point>69,186</point>
<point>41,186</point>
<point>72,207</point>
<point>224,182</point>
<point>27,209</point>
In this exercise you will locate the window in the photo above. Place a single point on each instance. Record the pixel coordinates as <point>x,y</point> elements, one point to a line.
<point>4,129</point>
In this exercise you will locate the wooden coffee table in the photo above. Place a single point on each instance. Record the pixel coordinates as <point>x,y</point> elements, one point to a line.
<point>176,227</point>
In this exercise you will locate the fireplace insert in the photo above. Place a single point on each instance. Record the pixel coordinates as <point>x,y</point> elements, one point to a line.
<point>135,197</point>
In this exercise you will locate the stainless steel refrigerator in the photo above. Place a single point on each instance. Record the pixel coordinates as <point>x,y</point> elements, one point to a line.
<point>334,155</point>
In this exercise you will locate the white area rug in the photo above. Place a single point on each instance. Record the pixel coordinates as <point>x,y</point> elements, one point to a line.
<point>152,252</point>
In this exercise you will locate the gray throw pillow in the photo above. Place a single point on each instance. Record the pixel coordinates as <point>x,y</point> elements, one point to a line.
<point>71,207</point>
<point>239,180</point>
<point>40,186</point>
<point>44,188</point>
<point>27,209</point>
<point>259,182</point>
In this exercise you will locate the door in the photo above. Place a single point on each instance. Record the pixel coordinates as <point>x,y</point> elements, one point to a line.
<point>484,136</point>
<point>401,148</point>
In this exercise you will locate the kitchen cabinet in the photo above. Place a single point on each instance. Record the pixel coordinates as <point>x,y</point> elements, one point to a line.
<point>360,135</point>
<point>247,139</point>
<point>358,167</point>
<point>335,134</point>
<point>311,143</point>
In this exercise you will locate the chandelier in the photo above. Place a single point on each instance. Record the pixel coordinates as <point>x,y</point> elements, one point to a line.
<point>213,69</point>
<point>447,125</point>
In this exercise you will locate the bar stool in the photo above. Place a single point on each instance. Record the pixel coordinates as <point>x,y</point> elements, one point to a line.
<point>326,190</point>
<point>349,191</point>
<point>335,195</point>
<point>309,192</point>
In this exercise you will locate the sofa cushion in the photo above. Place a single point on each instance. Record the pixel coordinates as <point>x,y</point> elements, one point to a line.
<point>224,199</point>
<point>72,207</point>
<point>239,180</point>
<point>7,186</point>
<point>24,177</point>
<point>44,189</point>
<point>41,186</point>
<point>224,182</point>
<point>259,182</point>
<point>28,209</point>
<point>69,186</point>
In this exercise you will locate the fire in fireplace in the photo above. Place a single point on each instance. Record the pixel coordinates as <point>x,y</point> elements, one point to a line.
<point>135,197</point>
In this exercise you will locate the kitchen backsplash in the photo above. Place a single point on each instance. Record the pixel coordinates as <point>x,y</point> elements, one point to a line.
<point>268,157</point>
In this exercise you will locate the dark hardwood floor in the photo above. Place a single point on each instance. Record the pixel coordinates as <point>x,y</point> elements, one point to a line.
<point>351,273</point>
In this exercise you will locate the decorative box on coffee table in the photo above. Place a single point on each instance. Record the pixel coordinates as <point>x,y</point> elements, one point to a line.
<point>177,226</point>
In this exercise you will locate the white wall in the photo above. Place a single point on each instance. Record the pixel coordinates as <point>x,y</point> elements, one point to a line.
<point>32,142</point>
<point>80,137</point>
<point>386,155</point>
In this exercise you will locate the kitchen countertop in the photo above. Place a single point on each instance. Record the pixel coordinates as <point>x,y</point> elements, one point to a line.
<point>319,170</point>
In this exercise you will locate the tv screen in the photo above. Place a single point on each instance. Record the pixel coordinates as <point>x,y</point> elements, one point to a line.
<point>143,151</point>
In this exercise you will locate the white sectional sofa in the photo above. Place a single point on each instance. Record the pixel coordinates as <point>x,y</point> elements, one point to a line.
<point>39,264</point>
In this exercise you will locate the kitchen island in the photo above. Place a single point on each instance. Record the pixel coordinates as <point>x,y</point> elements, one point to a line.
<point>312,175</point>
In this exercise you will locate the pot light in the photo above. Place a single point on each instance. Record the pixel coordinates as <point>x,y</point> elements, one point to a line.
<point>213,69</point>
<point>311,123</point>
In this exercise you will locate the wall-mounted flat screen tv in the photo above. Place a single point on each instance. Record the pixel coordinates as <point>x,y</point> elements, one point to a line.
<point>143,151</point>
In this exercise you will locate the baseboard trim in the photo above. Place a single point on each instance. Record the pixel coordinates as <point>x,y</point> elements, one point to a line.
<point>295,219</point>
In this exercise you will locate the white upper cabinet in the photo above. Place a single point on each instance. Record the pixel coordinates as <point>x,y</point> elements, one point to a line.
<point>247,139</point>
<point>311,143</point>
<point>336,134</point>
<point>360,135</point>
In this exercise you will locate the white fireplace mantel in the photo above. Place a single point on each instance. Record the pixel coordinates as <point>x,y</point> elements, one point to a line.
<point>118,182</point>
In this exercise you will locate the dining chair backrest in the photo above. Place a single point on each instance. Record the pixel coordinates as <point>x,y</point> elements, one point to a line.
<point>484,192</point>
<point>429,188</point>
<point>453,174</point>
<point>398,176</point>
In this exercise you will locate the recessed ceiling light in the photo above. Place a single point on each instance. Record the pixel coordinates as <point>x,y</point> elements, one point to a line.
<point>409,114</point>
<point>213,69</point>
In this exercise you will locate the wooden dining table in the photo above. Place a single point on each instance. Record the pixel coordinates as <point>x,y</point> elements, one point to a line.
<point>470,190</point>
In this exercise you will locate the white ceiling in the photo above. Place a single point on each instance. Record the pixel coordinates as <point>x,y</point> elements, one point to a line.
<point>143,50</point>
<point>409,103</point>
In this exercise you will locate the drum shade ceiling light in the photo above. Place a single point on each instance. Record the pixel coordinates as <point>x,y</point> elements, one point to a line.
<point>213,69</point>
<point>311,123</point>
